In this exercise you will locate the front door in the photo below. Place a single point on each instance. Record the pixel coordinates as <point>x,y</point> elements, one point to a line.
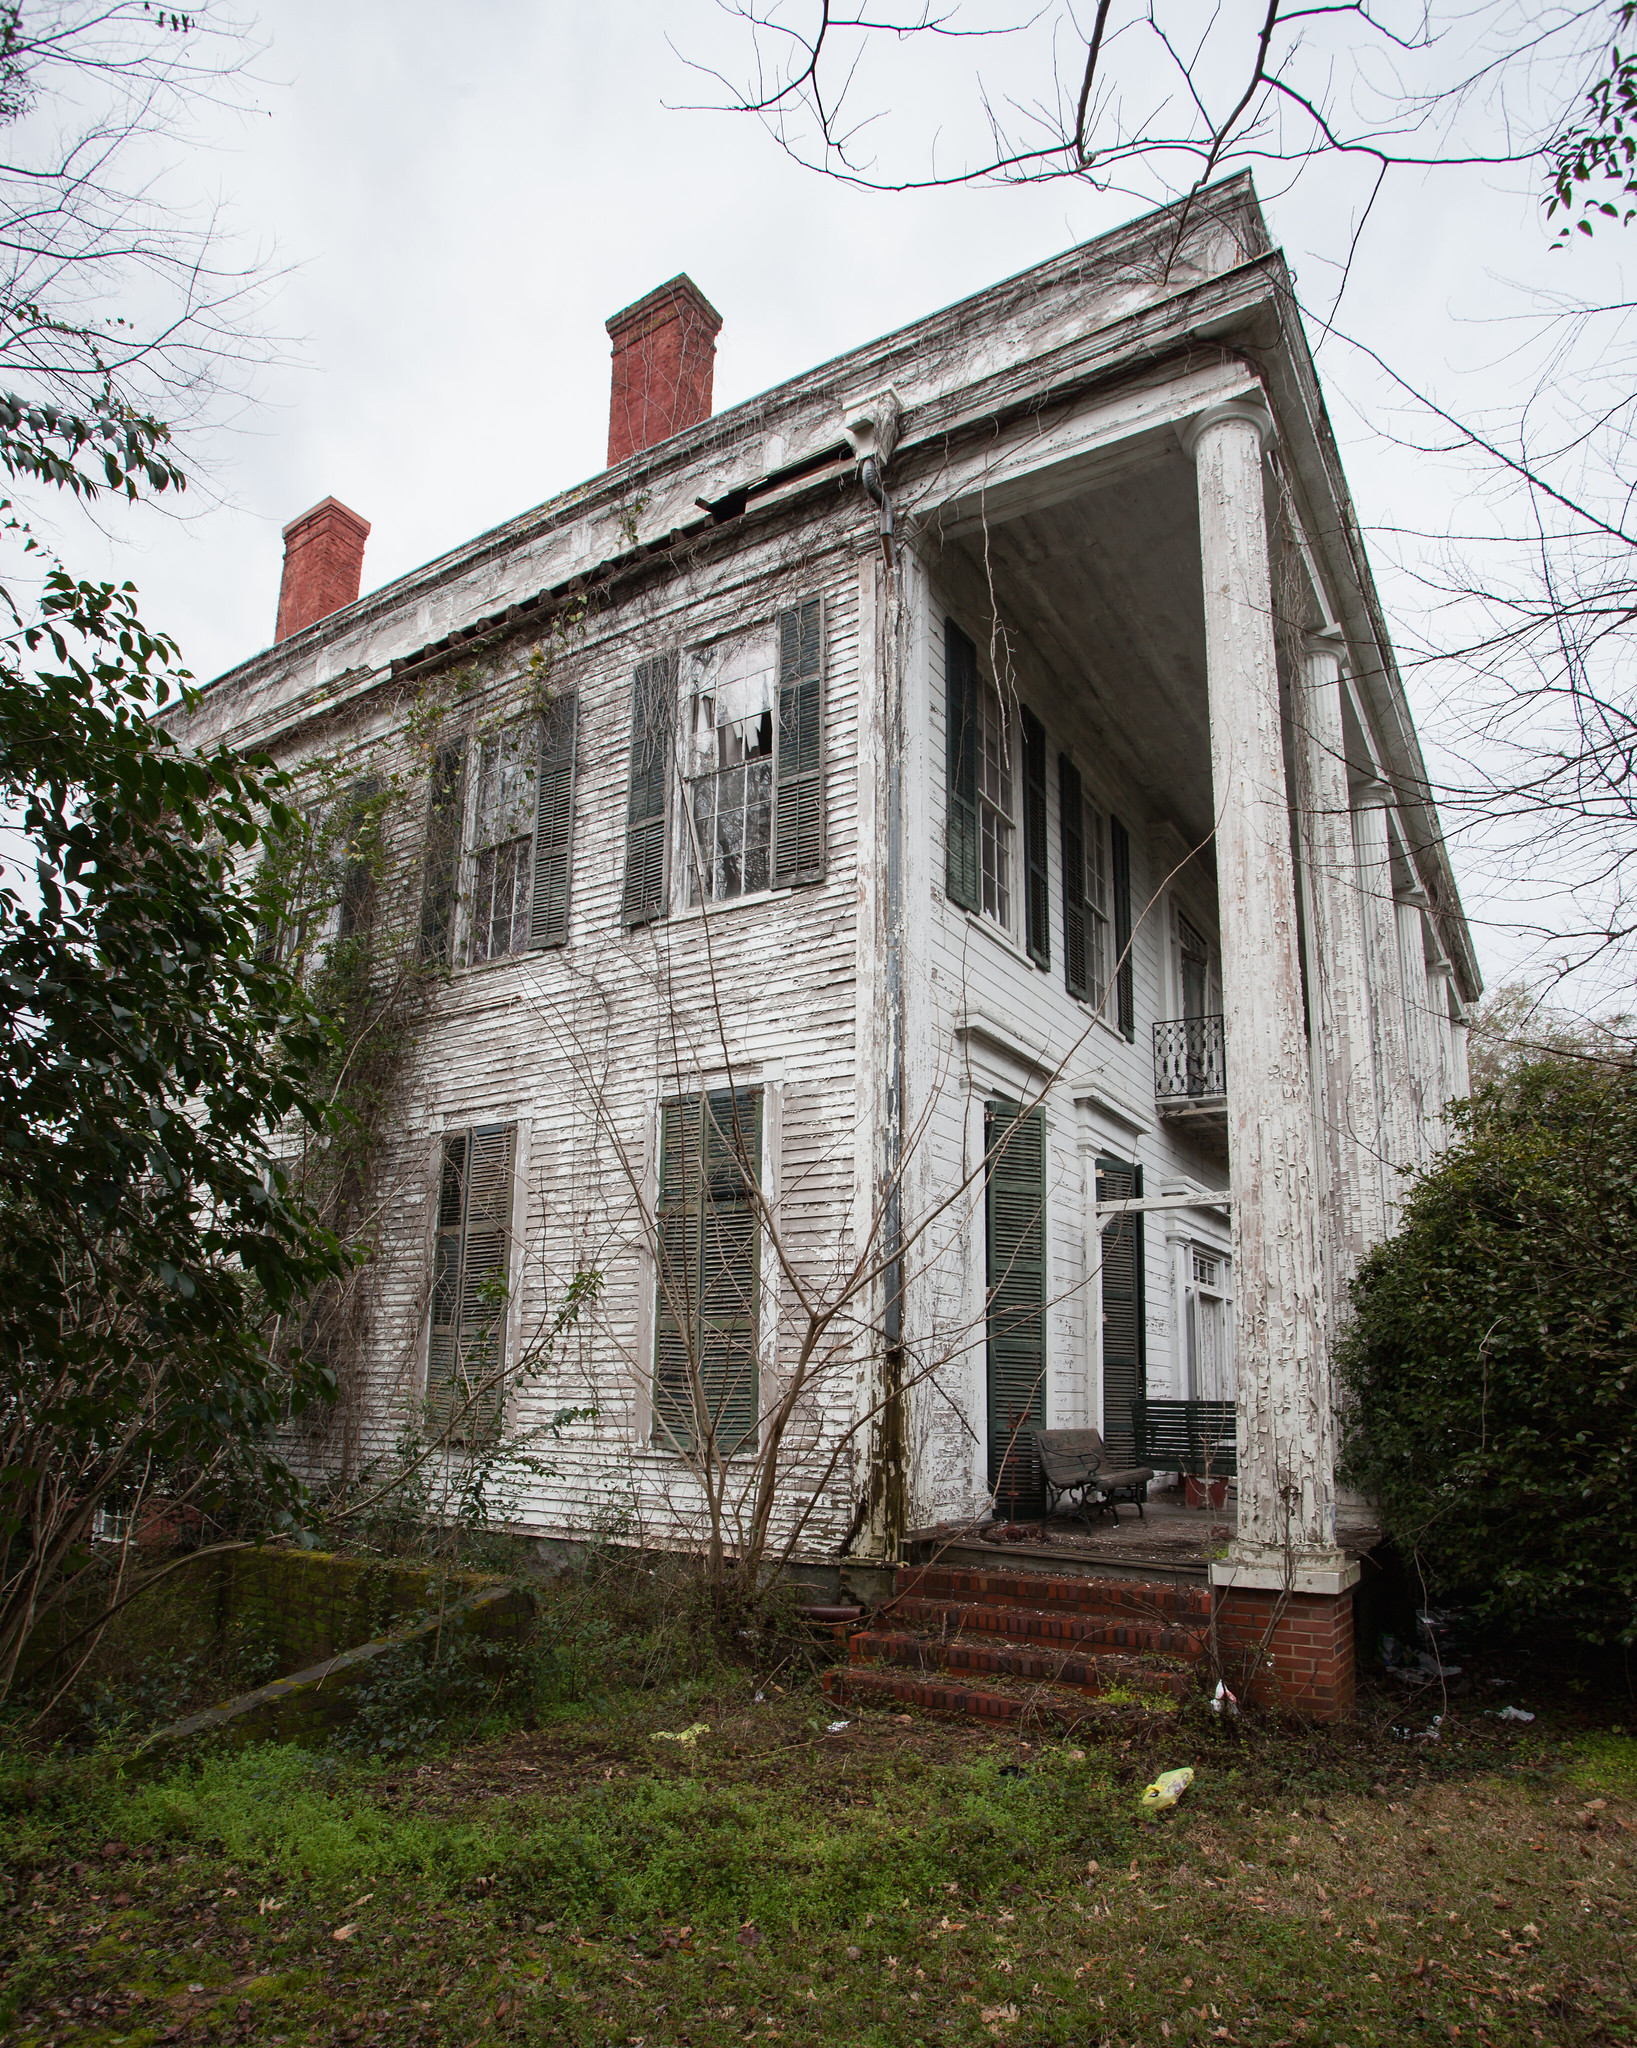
<point>1124,1351</point>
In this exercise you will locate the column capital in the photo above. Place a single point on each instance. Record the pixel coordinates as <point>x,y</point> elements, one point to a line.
<point>1326,643</point>
<point>1413,898</point>
<point>1373,795</point>
<point>1253,411</point>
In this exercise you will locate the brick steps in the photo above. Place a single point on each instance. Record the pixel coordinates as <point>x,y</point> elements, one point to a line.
<point>984,1657</point>
<point>1014,1646</point>
<point>1089,1631</point>
<point>1063,1706</point>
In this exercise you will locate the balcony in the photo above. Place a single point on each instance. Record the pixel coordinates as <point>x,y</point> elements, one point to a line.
<point>1191,1074</point>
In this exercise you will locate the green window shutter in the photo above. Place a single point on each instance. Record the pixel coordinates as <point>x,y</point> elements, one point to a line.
<point>1071,806</point>
<point>798,765</point>
<point>653,697</point>
<point>442,855</point>
<point>961,741</point>
<point>466,1355</point>
<point>1015,1204</point>
<point>1119,851</point>
<point>705,1346</point>
<point>554,824</point>
<point>1124,1337</point>
<point>1036,900</point>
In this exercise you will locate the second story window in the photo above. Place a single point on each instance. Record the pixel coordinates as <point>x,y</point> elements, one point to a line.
<point>730,771</point>
<point>502,841</point>
<point>995,809</point>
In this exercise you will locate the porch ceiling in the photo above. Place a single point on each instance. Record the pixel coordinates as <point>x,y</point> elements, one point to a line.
<point>1106,587</point>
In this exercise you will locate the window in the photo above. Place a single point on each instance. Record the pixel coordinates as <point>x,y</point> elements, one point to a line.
<point>1015,1219</point>
<point>1037,892</point>
<point>522,833</point>
<point>961,782</point>
<point>502,840</point>
<point>730,771</point>
<point>706,1384</point>
<point>755,760</point>
<point>1085,889</point>
<point>1209,1329</point>
<point>466,1352</point>
<point>994,810</point>
<point>1119,863</point>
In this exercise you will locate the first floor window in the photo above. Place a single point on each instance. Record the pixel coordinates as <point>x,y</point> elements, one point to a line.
<point>995,813</point>
<point>466,1353</point>
<point>1210,1329</point>
<point>706,1381</point>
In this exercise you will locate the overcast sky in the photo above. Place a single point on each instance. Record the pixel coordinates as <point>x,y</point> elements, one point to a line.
<point>462,196</point>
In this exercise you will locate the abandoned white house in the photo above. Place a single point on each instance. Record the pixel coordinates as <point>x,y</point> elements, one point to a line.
<point>862,837</point>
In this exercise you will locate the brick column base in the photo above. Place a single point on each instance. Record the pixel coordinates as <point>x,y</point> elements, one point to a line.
<point>1293,1651</point>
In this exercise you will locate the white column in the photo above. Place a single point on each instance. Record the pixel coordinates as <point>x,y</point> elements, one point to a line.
<point>1459,1070</point>
<point>1440,976</point>
<point>1388,1037</point>
<point>1349,1139</point>
<point>1412,969</point>
<point>1287,1509</point>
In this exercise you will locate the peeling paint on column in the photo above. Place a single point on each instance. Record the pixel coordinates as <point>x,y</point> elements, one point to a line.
<point>1286,1438</point>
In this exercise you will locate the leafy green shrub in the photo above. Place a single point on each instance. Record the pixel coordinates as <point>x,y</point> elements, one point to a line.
<point>1493,1361</point>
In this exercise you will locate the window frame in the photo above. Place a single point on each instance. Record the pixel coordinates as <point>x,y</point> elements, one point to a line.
<point>997,827</point>
<point>505,1222</point>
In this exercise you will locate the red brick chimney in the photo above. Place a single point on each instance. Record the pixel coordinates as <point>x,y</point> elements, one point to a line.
<point>664,364</point>
<point>323,565</point>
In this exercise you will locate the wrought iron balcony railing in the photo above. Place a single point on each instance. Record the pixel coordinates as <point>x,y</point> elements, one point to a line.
<point>1189,1065</point>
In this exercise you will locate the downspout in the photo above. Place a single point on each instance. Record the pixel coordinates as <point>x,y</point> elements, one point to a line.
<point>873,429</point>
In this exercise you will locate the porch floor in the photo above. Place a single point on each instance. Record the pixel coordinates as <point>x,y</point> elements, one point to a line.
<point>1169,1542</point>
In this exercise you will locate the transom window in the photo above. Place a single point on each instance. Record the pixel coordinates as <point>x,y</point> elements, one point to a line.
<point>730,770</point>
<point>995,809</point>
<point>1207,1272</point>
<point>503,842</point>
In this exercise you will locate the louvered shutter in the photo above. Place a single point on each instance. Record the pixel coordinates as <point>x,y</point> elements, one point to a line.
<point>1036,899</point>
<point>1072,826</point>
<point>705,1363</point>
<point>483,1275</point>
<point>798,766</point>
<point>440,1355</point>
<point>442,855</point>
<point>653,695</point>
<point>961,738</point>
<point>1016,1218</point>
<point>1119,849</point>
<point>554,824</point>
<point>1124,1340</point>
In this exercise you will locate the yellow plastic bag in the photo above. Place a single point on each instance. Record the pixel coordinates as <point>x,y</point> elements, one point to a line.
<point>1166,1790</point>
<point>688,1735</point>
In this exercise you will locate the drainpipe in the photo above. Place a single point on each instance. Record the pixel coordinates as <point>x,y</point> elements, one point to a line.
<point>873,430</point>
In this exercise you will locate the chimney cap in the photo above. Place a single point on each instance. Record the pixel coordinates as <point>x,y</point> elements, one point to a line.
<point>331,506</point>
<point>678,292</point>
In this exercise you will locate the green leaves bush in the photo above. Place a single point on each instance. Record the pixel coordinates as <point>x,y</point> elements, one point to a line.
<point>1492,1366</point>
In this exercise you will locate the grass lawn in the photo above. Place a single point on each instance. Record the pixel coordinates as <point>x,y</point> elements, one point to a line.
<point>893,1882</point>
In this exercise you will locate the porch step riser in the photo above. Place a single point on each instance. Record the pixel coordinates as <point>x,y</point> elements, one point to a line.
<point>1085,1674</point>
<point>854,1688</point>
<point>1125,1599</point>
<point>1023,1624</point>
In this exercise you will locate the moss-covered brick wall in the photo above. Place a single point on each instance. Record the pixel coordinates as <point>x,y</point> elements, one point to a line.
<point>310,1604</point>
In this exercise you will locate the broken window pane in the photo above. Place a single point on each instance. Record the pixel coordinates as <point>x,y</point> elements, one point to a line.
<point>730,768</point>
<point>503,842</point>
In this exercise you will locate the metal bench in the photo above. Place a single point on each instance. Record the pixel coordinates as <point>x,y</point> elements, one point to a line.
<point>1197,1437</point>
<point>1074,1461</point>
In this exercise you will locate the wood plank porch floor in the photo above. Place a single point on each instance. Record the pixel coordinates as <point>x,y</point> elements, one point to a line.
<point>1171,1542</point>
